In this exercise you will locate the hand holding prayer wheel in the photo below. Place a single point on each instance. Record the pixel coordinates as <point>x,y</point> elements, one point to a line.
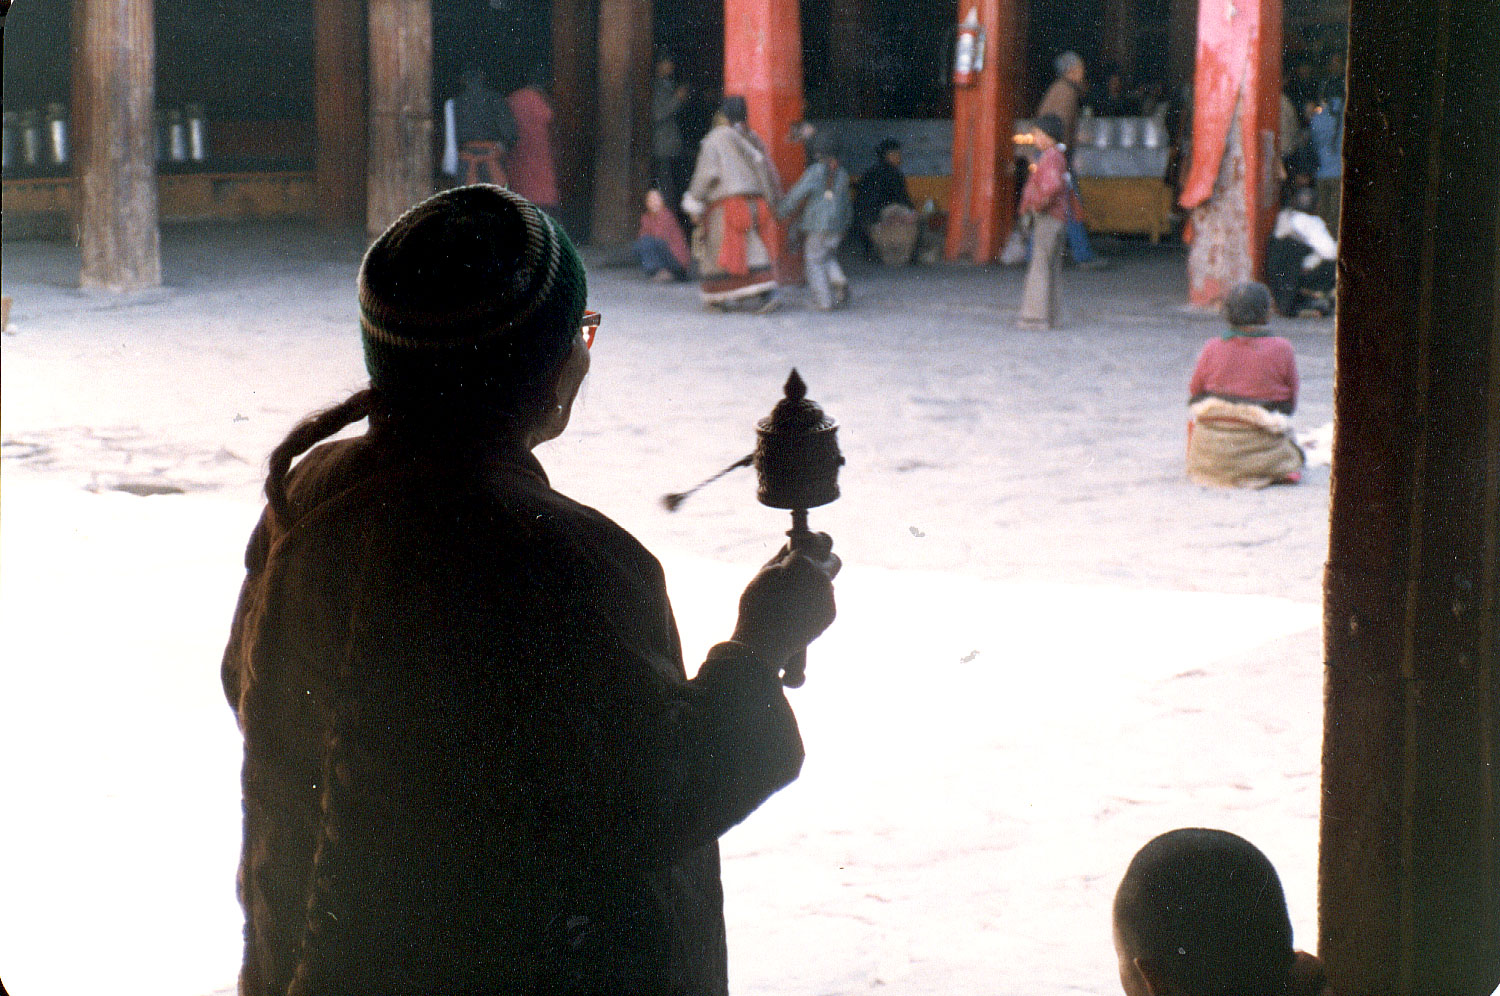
<point>790,601</point>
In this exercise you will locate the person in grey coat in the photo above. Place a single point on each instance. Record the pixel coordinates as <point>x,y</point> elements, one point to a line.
<point>822,196</point>
<point>667,99</point>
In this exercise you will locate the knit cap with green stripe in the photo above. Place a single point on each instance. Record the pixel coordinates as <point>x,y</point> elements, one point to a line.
<point>473,295</point>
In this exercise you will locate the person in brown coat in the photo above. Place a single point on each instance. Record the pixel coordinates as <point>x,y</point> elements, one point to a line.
<point>1065,94</point>
<point>474,762</point>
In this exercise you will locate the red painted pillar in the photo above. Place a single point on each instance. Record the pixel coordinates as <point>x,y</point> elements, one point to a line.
<point>763,62</point>
<point>981,201</point>
<point>1231,187</point>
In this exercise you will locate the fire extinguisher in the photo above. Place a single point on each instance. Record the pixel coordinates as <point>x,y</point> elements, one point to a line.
<point>968,52</point>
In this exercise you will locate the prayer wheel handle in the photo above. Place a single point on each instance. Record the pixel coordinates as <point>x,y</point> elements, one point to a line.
<point>794,671</point>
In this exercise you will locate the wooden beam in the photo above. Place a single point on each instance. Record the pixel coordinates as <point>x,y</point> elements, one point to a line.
<point>981,203</point>
<point>1231,187</point>
<point>339,110</point>
<point>622,162</point>
<point>1408,886</point>
<point>115,88</point>
<point>575,26</point>
<point>400,163</point>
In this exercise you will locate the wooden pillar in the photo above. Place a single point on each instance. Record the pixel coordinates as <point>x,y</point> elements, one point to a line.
<point>400,164</point>
<point>575,24</point>
<point>1409,893</point>
<point>1231,185</point>
<point>763,62</point>
<point>339,111</point>
<point>114,88</point>
<point>622,157</point>
<point>847,57</point>
<point>981,201</point>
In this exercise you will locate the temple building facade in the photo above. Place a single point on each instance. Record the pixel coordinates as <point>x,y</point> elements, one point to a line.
<point>332,109</point>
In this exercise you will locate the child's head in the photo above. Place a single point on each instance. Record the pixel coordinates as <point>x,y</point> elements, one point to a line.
<point>655,201</point>
<point>1201,913</point>
<point>1247,305</point>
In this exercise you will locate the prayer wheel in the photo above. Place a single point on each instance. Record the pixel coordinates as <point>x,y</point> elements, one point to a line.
<point>797,464</point>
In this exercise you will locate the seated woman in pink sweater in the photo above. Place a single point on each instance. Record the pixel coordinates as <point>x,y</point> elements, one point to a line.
<point>1243,390</point>
<point>660,246</point>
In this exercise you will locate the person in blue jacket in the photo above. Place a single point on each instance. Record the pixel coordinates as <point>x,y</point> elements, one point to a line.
<point>822,196</point>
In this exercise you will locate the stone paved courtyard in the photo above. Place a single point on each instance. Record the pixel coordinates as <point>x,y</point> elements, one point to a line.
<point>1050,647</point>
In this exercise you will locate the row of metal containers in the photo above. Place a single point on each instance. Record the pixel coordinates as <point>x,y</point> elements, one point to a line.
<point>38,141</point>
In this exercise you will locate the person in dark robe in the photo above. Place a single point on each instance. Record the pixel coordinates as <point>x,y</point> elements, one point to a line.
<point>668,98</point>
<point>1117,99</point>
<point>473,759</point>
<point>890,234</point>
<point>484,127</point>
<point>1302,258</point>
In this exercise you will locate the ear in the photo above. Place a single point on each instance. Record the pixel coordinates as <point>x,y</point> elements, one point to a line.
<point>1157,984</point>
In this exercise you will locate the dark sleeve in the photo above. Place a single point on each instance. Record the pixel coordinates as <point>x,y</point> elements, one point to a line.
<point>728,740</point>
<point>642,765</point>
<point>667,767</point>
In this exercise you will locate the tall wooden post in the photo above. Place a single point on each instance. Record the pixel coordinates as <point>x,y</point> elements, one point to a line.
<point>115,88</point>
<point>1409,869</point>
<point>575,25</point>
<point>339,111</point>
<point>622,158</point>
<point>981,201</point>
<point>1231,186</point>
<point>763,62</point>
<point>401,152</point>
